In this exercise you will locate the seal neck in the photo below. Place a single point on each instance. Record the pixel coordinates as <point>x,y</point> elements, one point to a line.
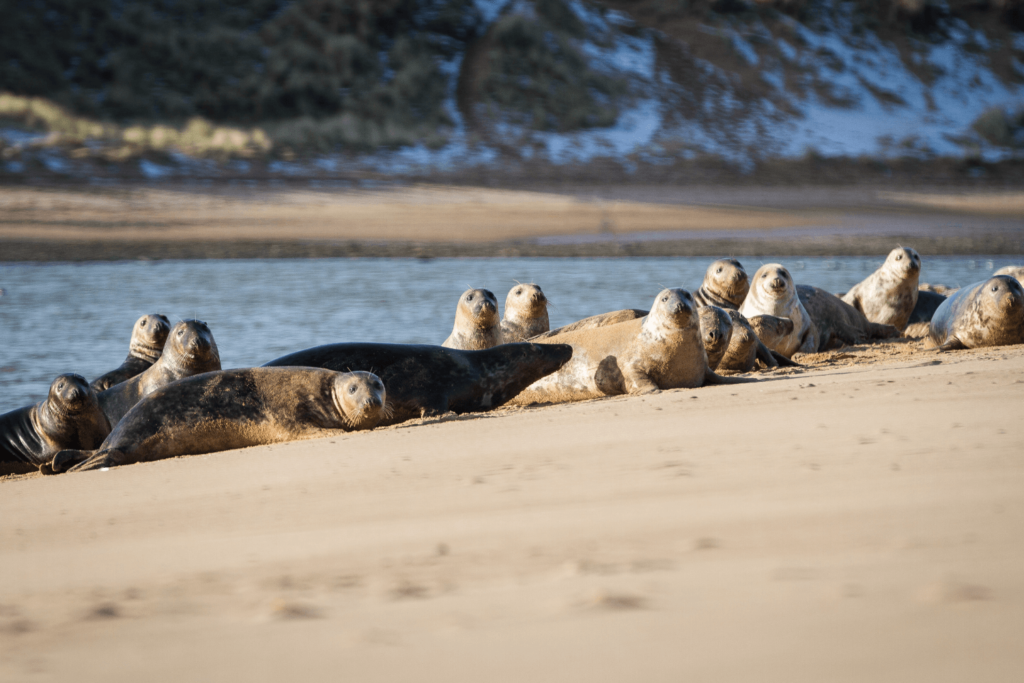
<point>144,352</point>
<point>714,299</point>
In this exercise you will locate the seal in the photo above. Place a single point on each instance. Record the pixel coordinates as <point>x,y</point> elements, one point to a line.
<point>1016,272</point>
<point>772,329</point>
<point>69,417</point>
<point>741,356</point>
<point>715,333</point>
<point>189,350</point>
<point>427,381</point>
<point>526,314</point>
<point>774,293</point>
<point>725,285</point>
<point>219,411</point>
<point>838,322</point>
<point>476,322</point>
<point>148,337</point>
<point>662,350</point>
<point>888,295</point>
<point>986,313</point>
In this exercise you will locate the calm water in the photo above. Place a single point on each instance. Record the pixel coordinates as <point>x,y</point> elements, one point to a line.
<point>61,317</point>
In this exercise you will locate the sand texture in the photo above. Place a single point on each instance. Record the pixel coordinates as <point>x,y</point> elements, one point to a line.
<point>860,519</point>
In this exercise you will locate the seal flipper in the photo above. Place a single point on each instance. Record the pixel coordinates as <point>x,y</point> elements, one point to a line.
<point>711,377</point>
<point>98,460</point>
<point>638,384</point>
<point>951,344</point>
<point>64,460</point>
<point>881,331</point>
<point>767,356</point>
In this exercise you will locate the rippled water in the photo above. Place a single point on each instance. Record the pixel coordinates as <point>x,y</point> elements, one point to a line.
<point>62,317</point>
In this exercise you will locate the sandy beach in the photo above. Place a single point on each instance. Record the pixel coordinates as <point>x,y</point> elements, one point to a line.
<point>861,518</point>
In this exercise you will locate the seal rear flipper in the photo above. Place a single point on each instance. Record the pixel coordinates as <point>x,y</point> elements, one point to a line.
<point>951,344</point>
<point>784,362</point>
<point>711,377</point>
<point>767,356</point>
<point>99,459</point>
<point>64,461</point>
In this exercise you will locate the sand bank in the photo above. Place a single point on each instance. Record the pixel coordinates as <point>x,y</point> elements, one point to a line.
<point>860,519</point>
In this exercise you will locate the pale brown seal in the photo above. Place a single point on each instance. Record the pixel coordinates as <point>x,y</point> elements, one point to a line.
<point>219,411</point>
<point>189,350</point>
<point>147,343</point>
<point>477,325</point>
<point>526,314</point>
<point>987,313</point>
<point>888,295</point>
<point>773,292</point>
<point>838,322</point>
<point>662,350</point>
<point>69,417</point>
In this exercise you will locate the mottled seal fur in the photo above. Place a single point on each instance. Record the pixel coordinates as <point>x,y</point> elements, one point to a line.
<point>526,314</point>
<point>838,322</point>
<point>987,313</point>
<point>662,350</point>
<point>69,417</point>
<point>219,411</point>
<point>774,293</point>
<point>425,381</point>
<point>189,350</point>
<point>1016,272</point>
<point>477,325</point>
<point>888,295</point>
<point>147,343</point>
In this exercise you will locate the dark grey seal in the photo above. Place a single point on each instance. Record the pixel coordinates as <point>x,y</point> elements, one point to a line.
<point>987,313</point>
<point>147,343</point>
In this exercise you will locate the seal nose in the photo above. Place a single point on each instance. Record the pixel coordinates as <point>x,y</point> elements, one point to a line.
<point>538,297</point>
<point>681,307</point>
<point>713,336</point>
<point>75,394</point>
<point>777,283</point>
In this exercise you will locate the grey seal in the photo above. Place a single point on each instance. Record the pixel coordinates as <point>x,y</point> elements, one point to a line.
<point>716,329</point>
<point>773,292</point>
<point>147,343</point>
<point>219,411</point>
<point>526,314</point>
<point>477,325</point>
<point>986,313</point>
<point>838,322</point>
<point>888,295</point>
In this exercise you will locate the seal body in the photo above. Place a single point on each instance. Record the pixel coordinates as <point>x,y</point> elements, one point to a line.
<point>189,350</point>
<point>838,322</point>
<point>477,325</point>
<point>715,333</point>
<point>219,411</point>
<point>70,417</point>
<point>987,313</point>
<point>888,295</point>
<point>1016,272</point>
<point>662,350</point>
<point>774,293</point>
<point>425,381</point>
<point>526,314</point>
<point>147,343</point>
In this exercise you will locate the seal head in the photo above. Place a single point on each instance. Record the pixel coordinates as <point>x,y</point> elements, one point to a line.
<point>360,399</point>
<point>715,333</point>
<point>526,314</point>
<point>725,285</point>
<point>477,325</point>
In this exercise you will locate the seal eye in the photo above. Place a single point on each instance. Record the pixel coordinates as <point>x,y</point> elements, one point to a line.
<point>351,388</point>
<point>142,324</point>
<point>519,291</point>
<point>995,288</point>
<point>181,332</point>
<point>664,298</point>
<point>899,257</point>
<point>719,270</point>
<point>469,297</point>
<point>764,274</point>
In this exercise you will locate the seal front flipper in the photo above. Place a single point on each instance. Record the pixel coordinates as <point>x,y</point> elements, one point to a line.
<point>639,384</point>
<point>951,344</point>
<point>65,460</point>
<point>711,378</point>
<point>783,362</point>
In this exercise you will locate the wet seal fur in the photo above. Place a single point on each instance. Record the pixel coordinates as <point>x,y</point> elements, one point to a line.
<point>427,381</point>
<point>189,350</point>
<point>526,314</point>
<point>219,411</point>
<point>987,313</point>
<point>662,350</point>
<point>69,417</point>
<point>838,322</point>
<point>888,295</point>
<point>147,343</point>
<point>774,293</point>
<point>477,325</point>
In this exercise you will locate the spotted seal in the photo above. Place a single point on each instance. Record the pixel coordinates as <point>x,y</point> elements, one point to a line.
<point>526,314</point>
<point>477,325</point>
<point>774,293</point>
<point>662,350</point>
<point>426,381</point>
<point>986,313</point>
<point>838,322</point>
<point>189,350</point>
<point>147,343</point>
<point>219,411</point>
<point>69,417</point>
<point>888,295</point>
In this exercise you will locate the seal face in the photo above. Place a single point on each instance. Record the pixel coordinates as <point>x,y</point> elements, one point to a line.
<point>223,410</point>
<point>426,381</point>
<point>774,293</point>
<point>838,322</point>
<point>986,313</point>
<point>477,325</point>
<point>526,314</point>
<point>772,329</point>
<point>189,350</point>
<point>888,295</point>
<point>147,343</point>
<point>715,333</point>
<point>70,417</point>
<point>725,285</point>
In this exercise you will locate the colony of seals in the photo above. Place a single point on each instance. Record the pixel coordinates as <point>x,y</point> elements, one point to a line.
<point>427,381</point>
<point>477,325</point>
<point>218,411</point>
<point>526,314</point>
<point>662,350</point>
<point>147,343</point>
<point>189,350</point>
<point>838,322</point>
<point>69,417</point>
<point>888,295</point>
<point>987,313</point>
<point>774,293</point>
